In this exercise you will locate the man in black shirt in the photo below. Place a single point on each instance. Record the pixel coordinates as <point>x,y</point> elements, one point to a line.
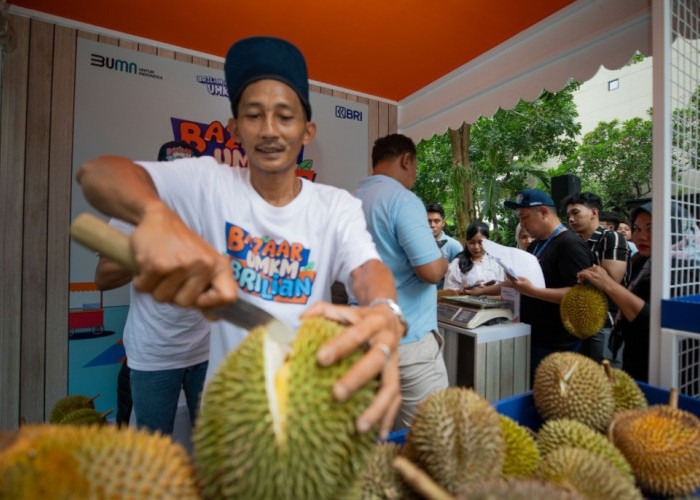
<point>561,254</point>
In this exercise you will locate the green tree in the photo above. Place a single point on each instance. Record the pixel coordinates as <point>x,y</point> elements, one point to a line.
<point>505,152</point>
<point>614,161</point>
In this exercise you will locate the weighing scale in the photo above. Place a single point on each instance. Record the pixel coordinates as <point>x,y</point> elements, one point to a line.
<point>467,311</point>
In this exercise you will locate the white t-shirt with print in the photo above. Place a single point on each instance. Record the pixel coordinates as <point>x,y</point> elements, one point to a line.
<point>160,336</point>
<point>284,258</point>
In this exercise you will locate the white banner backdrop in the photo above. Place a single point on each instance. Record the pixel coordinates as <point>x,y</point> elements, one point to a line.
<point>130,103</point>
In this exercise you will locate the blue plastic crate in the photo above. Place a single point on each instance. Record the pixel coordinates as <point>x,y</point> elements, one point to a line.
<point>521,408</point>
<point>681,313</point>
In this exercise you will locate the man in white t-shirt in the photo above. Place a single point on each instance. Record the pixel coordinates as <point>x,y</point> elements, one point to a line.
<point>207,232</point>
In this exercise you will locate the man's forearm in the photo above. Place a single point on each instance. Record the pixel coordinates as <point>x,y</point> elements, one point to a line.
<point>371,280</point>
<point>118,187</point>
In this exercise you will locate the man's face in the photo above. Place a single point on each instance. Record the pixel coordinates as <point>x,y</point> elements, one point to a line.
<point>436,223</point>
<point>625,230</point>
<point>581,218</point>
<point>271,126</point>
<point>532,220</point>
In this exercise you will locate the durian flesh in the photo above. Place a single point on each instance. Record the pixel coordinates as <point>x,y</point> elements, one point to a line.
<point>269,426</point>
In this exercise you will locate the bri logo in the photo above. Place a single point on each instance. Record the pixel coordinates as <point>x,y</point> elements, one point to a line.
<point>113,63</point>
<point>347,113</point>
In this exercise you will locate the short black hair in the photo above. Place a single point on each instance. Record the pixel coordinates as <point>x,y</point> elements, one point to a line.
<point>587,199</point>
<point>392,146</point>
<point>437,208</point>
<point>610,217</point>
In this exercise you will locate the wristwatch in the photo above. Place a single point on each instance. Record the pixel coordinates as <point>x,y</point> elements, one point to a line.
<point>394,308</point>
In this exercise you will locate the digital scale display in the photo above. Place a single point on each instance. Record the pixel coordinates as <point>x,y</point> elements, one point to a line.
<point>470,317</point>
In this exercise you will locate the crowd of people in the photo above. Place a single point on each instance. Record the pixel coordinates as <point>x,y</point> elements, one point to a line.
<point>192,223</point>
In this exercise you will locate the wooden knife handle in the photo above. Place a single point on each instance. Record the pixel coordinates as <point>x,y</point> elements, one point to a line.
<point>95,234</point>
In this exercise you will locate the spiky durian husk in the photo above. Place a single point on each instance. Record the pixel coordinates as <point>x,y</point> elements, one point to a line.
<point>626,392</point>
<point>570,385</point>
<point>84,416</point>
<point>587,472</point>
<point>456,437</point>
<point>522,455</point>
<point>567,432</point>
<point>237,453</point>
<point>662,444</point>
<point>70,404</point>
<point>583,310</point>
<point>518,489</point>
<point>380,480</point>
<point>65,462</point>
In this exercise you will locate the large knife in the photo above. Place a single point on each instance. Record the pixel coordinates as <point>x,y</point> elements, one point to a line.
<point>95,234</point>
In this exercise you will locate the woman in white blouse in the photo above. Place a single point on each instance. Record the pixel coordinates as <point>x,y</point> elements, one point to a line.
<point>473,271</point>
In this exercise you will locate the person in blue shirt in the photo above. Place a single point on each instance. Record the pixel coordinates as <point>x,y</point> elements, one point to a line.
<point>396,220</point>
<point>450,247</point>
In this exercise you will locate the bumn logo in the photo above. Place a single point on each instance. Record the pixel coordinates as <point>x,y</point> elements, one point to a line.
<point>347,113</point>
<point>113,63</point>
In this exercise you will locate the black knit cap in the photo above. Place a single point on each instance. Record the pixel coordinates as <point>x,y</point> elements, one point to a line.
<point>263,57</point>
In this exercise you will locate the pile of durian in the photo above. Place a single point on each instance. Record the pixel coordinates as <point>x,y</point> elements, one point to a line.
<point>599,440</point>
<point>270,429</point>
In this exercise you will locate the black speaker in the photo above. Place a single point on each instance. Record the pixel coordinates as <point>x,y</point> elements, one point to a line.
<point>563,186</point>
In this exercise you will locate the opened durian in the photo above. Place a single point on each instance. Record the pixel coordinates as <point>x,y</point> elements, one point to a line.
<point>269,426</point>
<point>522,455</point>
<point>67,462</point>
<point>626,392</point>
<point>662,444</point>
<point>69,404</point>
<point>567,432</point>
<point>589,473</point>
<point>456,437</point>
<point>583,310</point>
<point>570,385</point>
<point>380,480</point>
<point>518,489</point>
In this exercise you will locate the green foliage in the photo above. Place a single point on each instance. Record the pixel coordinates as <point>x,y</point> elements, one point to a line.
<point>434,178</point>
<point>505,152</point>
<point>614,161</point>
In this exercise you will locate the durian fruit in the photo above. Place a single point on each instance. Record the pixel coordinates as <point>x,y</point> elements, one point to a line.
<point>70,403</point>
<point>456,437</point>
<point>583,310</point>
<point>662,444</point>
<point>567,432</point>
<point>589,473</point>
<point>67,462</point>
<point>269,426</point>
<point>522,456</point>
<point>380,480</point>
<point>626,392</point>
<point>570,385</point>
<point>85,416</point>
<point>518,489</point>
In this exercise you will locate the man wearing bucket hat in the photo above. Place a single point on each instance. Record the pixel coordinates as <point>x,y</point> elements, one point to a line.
<point>201,226</point>
<point>561,254</point>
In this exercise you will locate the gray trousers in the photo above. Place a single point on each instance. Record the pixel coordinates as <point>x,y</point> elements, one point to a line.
<point>422,371</point>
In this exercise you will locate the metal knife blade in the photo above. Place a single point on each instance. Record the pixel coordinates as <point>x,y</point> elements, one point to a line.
<point>95,234</point>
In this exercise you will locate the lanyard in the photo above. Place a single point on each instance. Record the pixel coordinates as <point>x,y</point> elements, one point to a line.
<point>539,250</point>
